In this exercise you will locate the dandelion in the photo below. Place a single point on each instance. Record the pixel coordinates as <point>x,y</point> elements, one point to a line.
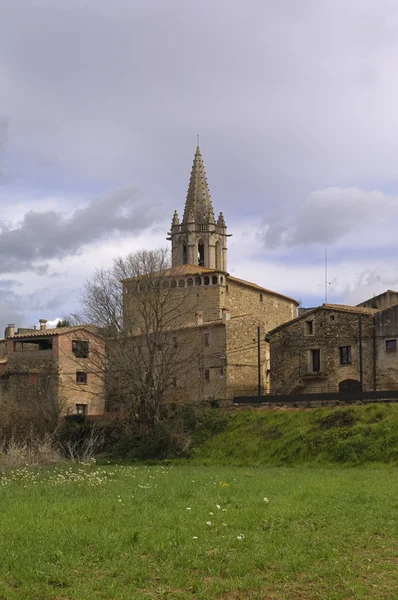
<point>223,484</point>
<point>208,522</point>
<point>266,500</point>
<point>240,537</point>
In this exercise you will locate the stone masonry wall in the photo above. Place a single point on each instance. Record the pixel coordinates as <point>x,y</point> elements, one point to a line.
<point>291,346</point>
<point>386,328</point>
<point>270,309</point>
<point>71,392</point>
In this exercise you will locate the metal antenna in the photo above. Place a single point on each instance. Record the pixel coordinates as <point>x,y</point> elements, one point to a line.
<point>197,140</point>
<point>326,276</point>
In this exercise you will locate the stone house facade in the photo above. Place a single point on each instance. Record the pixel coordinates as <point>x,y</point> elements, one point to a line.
<point>221,313</point>
<point>326,349</point>
<point>385,300</point>
<point>335,348</point>
<point>57,368</point>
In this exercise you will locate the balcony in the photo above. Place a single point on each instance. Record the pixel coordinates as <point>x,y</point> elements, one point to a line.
<point>31,355</point>
<point>306,372</point>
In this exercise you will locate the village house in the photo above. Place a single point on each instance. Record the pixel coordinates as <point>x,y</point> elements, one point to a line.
<point>336,348</point>
<point>222,315</point>
<point>57,369</point>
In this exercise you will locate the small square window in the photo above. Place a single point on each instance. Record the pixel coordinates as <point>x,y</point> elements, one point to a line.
<point>345,355</point>
<point>309,327</point>
<point>391,344</point>
<point>81,377</point>
<point>261,298</point>
<point>81,409</point>
<point>80,348</point>
<point>332,317</point>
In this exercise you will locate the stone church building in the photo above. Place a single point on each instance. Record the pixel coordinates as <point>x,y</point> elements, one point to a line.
<point>221,313</point>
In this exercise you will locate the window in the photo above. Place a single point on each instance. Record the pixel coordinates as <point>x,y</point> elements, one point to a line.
<point>332,317</point>
<point>201,254</point>
<point>33,378</point>
<point>206,280</point>
<point>81,409</point>
<point>316,360</point>
<point>345,355</point>
<point>81,377</point>
<point>190,282</point>
<point>184,253</point>
<point>207,375</point>
<point>80,348</point>
<point>221,371</point>
<point>198,281</point>
<point>261,298</point>
<point>391,344</point>
<point>309,327</point>
<point>227,288</point>
<point>206,339</point>
<point>181,283</point>
<point>214,279</point>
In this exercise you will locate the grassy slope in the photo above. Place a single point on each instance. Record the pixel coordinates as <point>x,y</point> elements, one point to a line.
<point>126,532</point>
<point>351,435</point>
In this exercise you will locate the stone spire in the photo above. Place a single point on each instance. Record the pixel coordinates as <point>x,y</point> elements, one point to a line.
<point>198,199</point>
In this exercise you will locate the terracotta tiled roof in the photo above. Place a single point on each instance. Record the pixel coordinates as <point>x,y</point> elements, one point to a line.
<point>347,308</point>
<point>53,331</point>
<point>262,289</point>
<point>189,270</point>
<point>358,310</point>
<point>182,270</point>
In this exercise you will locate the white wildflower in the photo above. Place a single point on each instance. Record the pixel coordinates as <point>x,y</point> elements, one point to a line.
<point>208,522</point>
<point>188,508</point>
<point>212,514</point>
<point>266,500</point>
<point>240,537</point>
<point>218,506</point>
<point>195,537</point>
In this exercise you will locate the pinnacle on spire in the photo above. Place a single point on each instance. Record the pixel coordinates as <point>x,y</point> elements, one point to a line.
<point>176,220</point>
<point>198,196</point>
<point>221,221</point>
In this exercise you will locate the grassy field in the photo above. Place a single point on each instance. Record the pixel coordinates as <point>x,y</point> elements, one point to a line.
<point>181,532</point>
<point>349,435</point>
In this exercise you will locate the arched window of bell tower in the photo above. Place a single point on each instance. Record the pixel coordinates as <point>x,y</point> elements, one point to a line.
<point>218,255</point>
<point>201,254</point>
<point>184,253</point>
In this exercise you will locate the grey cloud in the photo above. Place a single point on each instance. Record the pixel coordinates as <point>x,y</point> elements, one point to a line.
<point>47,235</point>
<point>328,215</point>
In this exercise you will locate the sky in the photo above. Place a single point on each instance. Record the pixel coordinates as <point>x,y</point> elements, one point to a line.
<point>100,105</point>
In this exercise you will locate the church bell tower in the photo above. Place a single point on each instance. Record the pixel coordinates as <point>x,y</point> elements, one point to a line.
<point>199,239</point>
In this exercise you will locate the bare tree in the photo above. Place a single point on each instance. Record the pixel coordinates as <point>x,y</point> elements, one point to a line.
<point>142,314</point>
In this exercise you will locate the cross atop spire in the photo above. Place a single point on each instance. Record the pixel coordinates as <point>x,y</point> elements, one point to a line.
<point>198,197</point>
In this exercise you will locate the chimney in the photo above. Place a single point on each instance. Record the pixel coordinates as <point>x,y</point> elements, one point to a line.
<point>226,314</point>
<point>43,324</point>
<point>199,318</point>
<point>10,330</point>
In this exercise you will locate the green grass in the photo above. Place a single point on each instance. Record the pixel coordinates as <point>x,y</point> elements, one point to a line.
<point>350,435</point>
<point>120,532</point>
